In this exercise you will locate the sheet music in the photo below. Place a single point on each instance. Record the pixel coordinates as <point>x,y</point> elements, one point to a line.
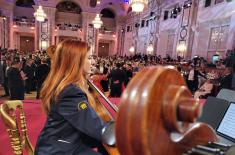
<point>227,126</point>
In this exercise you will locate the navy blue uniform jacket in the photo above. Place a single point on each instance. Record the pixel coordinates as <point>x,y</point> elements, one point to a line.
<point>70,123</point>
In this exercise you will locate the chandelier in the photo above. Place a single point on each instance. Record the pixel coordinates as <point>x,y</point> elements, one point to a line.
<point>132,49</point>
<point>40,14</point>
<point>97,23</point>
<point>138,5</point>
<point>150,49</point>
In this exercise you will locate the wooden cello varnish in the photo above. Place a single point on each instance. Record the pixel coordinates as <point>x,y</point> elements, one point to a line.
<point>156,115</point>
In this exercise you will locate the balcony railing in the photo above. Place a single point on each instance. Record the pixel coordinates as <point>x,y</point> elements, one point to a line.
<point>68,26</point>
<point>107,32</point>
<point>24,24</point>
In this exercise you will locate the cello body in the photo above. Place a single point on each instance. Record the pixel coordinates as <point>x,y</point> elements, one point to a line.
<point>157,113</point>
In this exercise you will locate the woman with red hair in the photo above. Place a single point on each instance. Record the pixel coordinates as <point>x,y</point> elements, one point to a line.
<point>72,125</point>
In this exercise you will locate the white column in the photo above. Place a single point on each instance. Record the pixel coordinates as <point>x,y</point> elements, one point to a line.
<point>44,36</point>
<point>89,32</point>
<point>185,32</point>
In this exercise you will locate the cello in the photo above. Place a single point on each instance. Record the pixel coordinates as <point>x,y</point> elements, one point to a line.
<point>103,112</point>
<point>157,116</point>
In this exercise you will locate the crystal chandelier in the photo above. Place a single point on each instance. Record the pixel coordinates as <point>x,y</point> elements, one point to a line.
<point>138,5</point>
<point>40,14</point>
<point>97,23</point>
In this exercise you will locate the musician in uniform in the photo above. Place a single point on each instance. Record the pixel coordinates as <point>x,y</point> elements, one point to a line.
<point>72,126</point>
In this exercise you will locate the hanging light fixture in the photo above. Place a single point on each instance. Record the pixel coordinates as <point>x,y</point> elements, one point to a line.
<point>138,5</point>
<point>181,48</point>
<point>40,14</point>
<point>132,49</point>
<point>150,49</point>
<point>97,22</point>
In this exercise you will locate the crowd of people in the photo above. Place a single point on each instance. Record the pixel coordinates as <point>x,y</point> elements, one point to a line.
<point>22,73</point>
<point>25,73</point>
<point>117,72</point>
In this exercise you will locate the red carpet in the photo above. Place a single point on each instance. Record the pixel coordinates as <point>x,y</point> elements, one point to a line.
<point>35,121</point>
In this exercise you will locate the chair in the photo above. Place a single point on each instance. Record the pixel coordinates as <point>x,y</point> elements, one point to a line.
<point>18,135</point>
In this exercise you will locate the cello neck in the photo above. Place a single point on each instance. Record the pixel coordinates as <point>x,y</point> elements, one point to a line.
<point>95,89</point>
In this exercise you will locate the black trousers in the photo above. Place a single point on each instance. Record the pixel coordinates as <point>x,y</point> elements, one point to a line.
<point>28,85</point>
<point>39,86</point>
<point>193,85</point>
<point>5,85</point>
<point>116,90</point>
<point>17,92</point>
<point>105,85</point>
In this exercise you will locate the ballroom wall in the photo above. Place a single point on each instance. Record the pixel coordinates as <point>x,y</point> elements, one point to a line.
<point>201,32</point>
<point>49,32</point>
<point>206,18</point>
<point>212,17</point>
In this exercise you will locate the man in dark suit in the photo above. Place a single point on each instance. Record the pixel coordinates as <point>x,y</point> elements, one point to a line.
<point>129,73</point>
<point>41,73</point>
<point>6,63</point>
<point>105,83</point>
<point>28,70</point>
<point>117,77</point>
<point>192,79</point>
<point>15,81</point>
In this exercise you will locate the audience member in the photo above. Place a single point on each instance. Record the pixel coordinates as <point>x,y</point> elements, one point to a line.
<point>41,73</point>
<point>226,79</point>
<point>117,77</point>
<point>6,65</point>
<point>29,71</point>
<point>15,81</point>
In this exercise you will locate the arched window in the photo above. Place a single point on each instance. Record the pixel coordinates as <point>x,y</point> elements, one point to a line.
<point>108,18</point>
<point>107,13</point>
<point>25,3</point>
<point>68,6</point>
<point>68,16</point>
